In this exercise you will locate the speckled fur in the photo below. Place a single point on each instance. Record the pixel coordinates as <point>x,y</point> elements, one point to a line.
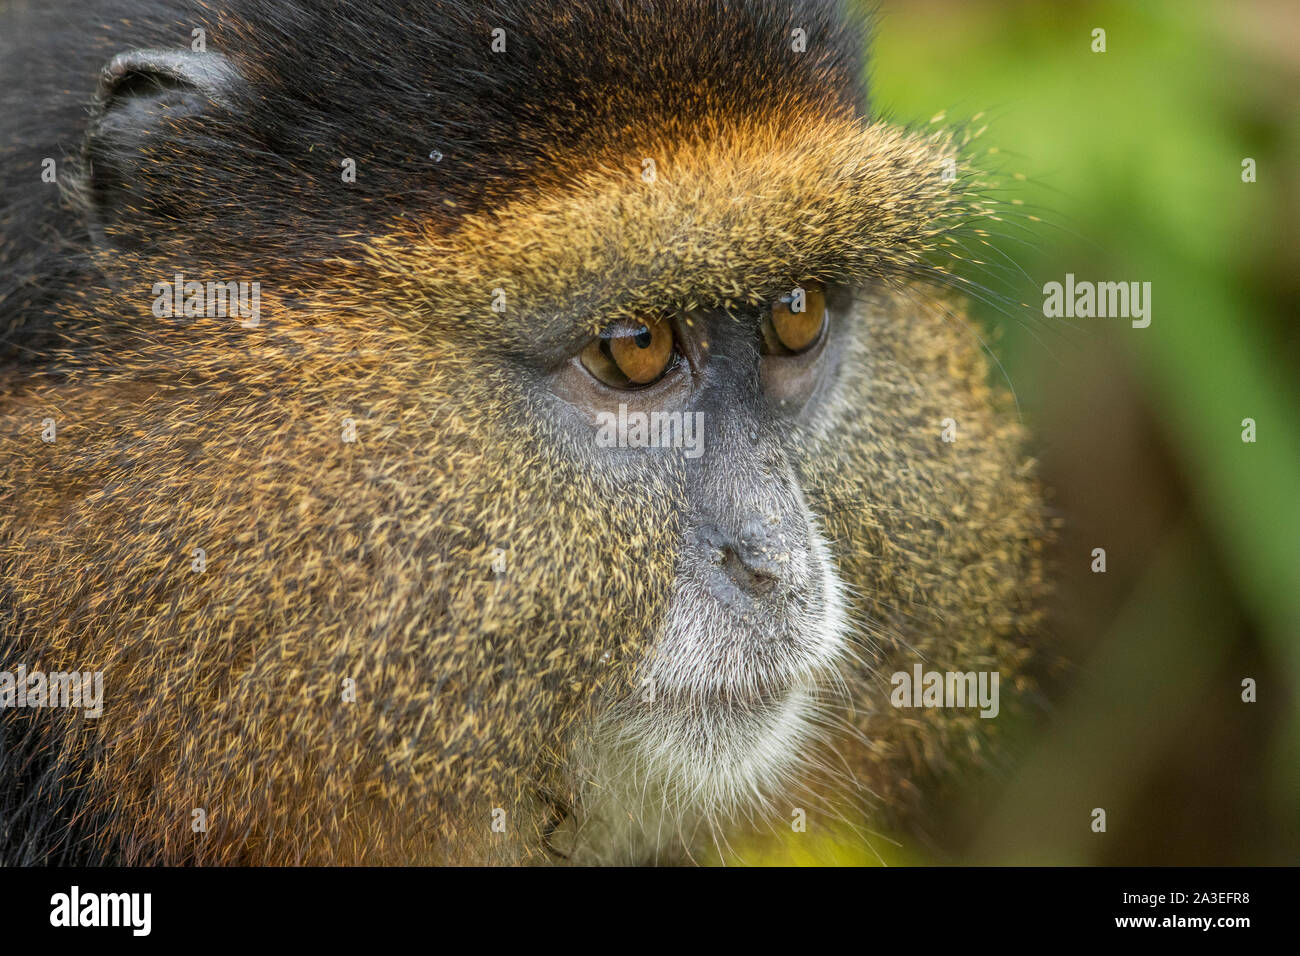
<point>329,560</point>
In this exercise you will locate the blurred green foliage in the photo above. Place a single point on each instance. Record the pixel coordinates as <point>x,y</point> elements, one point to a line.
<point>1132,166</point>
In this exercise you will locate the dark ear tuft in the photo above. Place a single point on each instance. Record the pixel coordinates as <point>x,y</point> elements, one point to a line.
<point>138,125</point>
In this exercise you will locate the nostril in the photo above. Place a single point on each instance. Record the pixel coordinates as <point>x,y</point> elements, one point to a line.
<point>745,559</point>
<point>751,570</point>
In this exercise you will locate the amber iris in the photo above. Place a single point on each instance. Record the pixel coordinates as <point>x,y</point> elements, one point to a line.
<point>631,354</point>
<point>796,322</point>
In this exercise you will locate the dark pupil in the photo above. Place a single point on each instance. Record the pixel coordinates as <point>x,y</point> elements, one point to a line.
<point>643,338</point>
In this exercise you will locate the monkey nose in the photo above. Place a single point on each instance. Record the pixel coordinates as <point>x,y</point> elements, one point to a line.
<point>755,558</point>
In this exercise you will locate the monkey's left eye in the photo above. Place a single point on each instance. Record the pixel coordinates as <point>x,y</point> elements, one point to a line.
<point>632,354</point>
<point>795,322</point>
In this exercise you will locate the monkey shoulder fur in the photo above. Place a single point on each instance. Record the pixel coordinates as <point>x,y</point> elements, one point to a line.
<point>500,432</point>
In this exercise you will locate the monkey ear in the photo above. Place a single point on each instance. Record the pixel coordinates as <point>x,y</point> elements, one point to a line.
<point>149,102</point>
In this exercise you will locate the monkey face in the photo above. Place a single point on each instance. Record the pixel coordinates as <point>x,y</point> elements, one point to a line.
<point>582,465</point>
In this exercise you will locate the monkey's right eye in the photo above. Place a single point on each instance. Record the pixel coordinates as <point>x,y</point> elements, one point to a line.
<point>632,354</point>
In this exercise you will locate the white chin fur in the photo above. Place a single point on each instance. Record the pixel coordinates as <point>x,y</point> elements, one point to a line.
<point>661,775</point>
